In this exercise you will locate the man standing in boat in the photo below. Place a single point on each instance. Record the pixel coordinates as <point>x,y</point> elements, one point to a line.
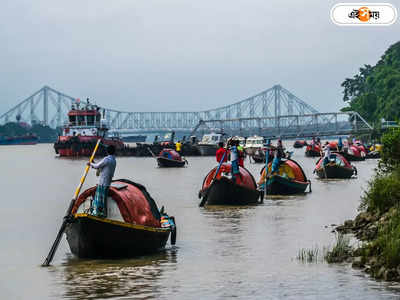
<point>178,147</point>
<point>107,168</point>
<point>235,160</point>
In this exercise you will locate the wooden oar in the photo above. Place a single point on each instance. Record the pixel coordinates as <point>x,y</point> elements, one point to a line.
<point>266,172</point>
<point>152,154</point>
<point>53,249</point>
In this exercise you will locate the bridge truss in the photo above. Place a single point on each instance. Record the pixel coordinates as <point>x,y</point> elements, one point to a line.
<point>275,108</point>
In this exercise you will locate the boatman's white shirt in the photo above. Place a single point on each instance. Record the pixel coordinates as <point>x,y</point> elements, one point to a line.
<point>107,168</point>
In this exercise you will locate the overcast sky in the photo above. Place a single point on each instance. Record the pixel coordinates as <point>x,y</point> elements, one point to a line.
<point>171,55</point>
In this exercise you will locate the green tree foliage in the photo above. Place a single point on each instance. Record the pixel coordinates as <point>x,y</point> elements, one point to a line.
<point>45,133</point>
<point>375,92</point>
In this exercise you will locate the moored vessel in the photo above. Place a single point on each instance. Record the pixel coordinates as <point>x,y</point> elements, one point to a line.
<point>29,139</point>
<point>85,126</point>
<point>209,144</point>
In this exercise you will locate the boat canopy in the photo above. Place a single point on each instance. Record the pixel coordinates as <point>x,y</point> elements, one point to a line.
<point>134,202</point>
<point>338,159</point>
<point>289,168</point>
<point>170,154</point>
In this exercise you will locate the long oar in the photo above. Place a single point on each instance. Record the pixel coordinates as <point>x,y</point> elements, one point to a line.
<point>151,152</point>
<point>266,171</point>
<point>53,249</point>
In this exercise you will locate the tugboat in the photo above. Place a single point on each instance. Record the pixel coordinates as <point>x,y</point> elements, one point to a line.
<point>133,226</point>
<point>85,127</point>
<point>169,158</point>
<point>221,190</point>
<point>338,167</point>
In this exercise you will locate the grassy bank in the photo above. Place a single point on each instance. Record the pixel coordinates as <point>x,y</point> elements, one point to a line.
<point>378,223</point>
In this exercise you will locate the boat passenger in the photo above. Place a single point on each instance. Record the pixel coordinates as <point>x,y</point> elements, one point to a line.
<point>275,162</point>
<point>220,152</point>
<point>327,153</point>
<point>340,144</point>
<point>241,154</point>
<point>178,147</point>
<point>313,143</point>
<point>235,161</point>
<point>107,168</point>
<point>279,148</point>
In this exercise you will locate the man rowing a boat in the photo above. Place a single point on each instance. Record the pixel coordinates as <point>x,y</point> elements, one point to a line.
<point>107,168</point>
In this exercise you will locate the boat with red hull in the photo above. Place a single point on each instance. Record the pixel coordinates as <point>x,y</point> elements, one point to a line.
<point>169,158</point>
<point>338,167</point>
<point>313,152</point>
<point>299,144</point>
<point>133,226</point>
<point>221,190</point>
<point>85,127</point>
<point>354,153</point>
<point>29,139</point>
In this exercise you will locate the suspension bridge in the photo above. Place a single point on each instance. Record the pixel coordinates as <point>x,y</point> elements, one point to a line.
<point>273,112</point>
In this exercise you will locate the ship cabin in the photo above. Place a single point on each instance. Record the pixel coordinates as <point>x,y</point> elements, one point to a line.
<point>85,120</point>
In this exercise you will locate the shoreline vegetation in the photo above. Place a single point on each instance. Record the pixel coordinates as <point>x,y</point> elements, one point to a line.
<point>375,94</point>
<point>376,227</point>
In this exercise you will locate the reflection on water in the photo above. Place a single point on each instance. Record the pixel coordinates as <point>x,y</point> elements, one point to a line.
<point>92,279</point>
<point>221,252</point>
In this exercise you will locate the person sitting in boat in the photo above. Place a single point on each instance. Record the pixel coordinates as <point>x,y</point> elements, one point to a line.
<point>234,160</point>
<point>107,168</point>
<point>178,147</point>
<point>279,148</point>
<point>220,152</point>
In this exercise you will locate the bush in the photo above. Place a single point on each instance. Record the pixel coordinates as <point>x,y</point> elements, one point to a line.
<point>390,156</point>
<point>383,193</point>
<point>387,245</point>
<point>341,251</point>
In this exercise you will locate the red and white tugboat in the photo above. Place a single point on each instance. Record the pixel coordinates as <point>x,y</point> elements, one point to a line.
<point>85,126</point>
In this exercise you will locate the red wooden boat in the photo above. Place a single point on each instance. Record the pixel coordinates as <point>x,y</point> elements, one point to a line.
<point>169,158</point>
<point>338,167</point>
<point>290,179</point>
<point>133,226</point>
<point>223,191</point>
<point>299,144</point>
<point>354,153</point>
<point>316,152</point>
<point>85,127</point>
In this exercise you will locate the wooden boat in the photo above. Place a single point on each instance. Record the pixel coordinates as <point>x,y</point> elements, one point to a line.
<point>223,191</point>
<point>169,158</point>
<point>353,154</point>
<point>339,167</point>
<point>299,144</point>
<point>310,152</point>
<point>133,226</point>
<point>290,179</point>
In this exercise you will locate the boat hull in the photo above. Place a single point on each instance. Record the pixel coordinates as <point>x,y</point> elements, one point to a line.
<point>224,192</point>
<point>334,171</point>
<point>170,163</point>
<point>207,150</point>
<point>92,237</point>
<point>351,157</point>
<point>313,153</point>
<point>278,185</point>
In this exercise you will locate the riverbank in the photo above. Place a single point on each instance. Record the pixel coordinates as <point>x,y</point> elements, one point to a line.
<point>377,226</point>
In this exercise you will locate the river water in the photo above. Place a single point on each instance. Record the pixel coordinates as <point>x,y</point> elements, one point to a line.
<point>221,252</point>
